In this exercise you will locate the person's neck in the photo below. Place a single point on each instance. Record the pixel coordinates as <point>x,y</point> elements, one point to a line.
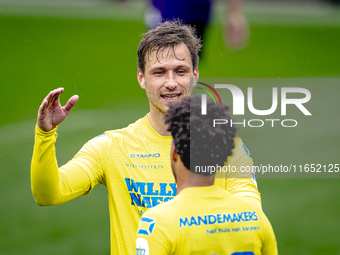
<point>193,180</point>
<point>157,122</point>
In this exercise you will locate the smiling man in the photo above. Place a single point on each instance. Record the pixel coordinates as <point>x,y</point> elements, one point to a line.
<point>133,162</point>
<point>167,72</point>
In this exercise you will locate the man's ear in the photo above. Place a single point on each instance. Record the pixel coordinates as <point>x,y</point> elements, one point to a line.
<point>140,77</point>
<point>196,74</point>
<point>174,155</point>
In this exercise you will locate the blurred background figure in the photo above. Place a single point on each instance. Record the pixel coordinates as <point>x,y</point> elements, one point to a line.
<point>197,14</point>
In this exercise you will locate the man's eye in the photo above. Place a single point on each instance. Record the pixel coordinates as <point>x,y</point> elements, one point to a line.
<point>158,72</point>
<point>181,71</point>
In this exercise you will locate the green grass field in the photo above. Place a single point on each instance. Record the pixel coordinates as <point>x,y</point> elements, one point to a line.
<point>91,51</point>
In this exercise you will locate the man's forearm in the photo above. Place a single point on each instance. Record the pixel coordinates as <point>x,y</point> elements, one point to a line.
<point>44,168</point>
<point>50,186</point>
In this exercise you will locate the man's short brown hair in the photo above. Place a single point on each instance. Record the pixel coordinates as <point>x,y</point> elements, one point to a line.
<point>168,34</point>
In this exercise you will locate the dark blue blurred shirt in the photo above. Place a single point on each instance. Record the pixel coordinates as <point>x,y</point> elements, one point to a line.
<point>190,11</point>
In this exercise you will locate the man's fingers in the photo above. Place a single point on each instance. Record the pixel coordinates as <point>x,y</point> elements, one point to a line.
<point>51,102</point>
<point>43,106</point>
<point>70,103</point>
<point>55,100</point>
<point>51,97</point>
<point>56,93</point>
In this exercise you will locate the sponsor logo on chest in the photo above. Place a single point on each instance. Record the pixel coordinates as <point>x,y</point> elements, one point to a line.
<point>145,155</point>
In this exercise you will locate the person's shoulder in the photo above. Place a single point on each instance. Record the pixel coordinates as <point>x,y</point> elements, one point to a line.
<point>98,140</point>
<point>240,151</point>
<point>131,129</point>
<point>240,146</point>
<point>166,207</point>
<point>128,135</point>
<point>237,202</point>
<point>164,212</point>
<point>157,215</point>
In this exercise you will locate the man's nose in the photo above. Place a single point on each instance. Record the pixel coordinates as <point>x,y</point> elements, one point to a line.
<point>171,82</point>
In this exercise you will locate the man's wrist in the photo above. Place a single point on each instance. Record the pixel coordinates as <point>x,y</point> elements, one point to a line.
<point>39,131</point>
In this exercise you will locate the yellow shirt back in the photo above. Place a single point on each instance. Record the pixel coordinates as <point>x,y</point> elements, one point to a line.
<point>205,220</point>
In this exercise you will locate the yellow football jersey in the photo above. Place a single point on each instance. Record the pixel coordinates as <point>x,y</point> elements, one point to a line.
<point>205,221</point>
<point>133,163</point>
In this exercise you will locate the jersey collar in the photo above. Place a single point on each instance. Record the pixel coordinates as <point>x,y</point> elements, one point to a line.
<point>153,133</point>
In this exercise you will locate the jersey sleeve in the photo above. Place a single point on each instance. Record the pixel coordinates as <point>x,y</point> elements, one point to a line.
<point>269,246</point>
<point>153,235</point>
<point>240,180</point>
<point>52,185</point>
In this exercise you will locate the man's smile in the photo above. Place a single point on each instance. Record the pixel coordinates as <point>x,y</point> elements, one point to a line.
<point>171,96</point>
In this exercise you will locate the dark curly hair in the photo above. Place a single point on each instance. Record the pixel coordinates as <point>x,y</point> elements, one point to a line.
<point>168,34</point>
<point>197,142</point>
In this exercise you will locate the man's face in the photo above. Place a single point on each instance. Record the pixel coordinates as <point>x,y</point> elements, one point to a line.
<point>167,76</point>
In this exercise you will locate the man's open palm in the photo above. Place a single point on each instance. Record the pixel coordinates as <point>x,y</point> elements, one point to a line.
<point>51,113</point>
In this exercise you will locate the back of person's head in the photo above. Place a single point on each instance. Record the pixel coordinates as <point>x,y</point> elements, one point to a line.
<point>168,35</point>
<point>197,141</point>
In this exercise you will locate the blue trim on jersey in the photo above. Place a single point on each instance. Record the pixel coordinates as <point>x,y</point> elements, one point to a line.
<point>98,136</point>
<point>146,219</point>
<point>243,253</point>
<point>143,232</point>
<point>246,150</point>
<point>151,227</point>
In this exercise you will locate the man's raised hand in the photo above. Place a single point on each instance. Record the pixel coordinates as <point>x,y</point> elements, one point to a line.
<point>51,113</point>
